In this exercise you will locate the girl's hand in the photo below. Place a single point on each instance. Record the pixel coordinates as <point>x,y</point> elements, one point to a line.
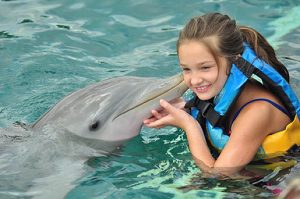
<point>171,114</point>
<point>160,113</point>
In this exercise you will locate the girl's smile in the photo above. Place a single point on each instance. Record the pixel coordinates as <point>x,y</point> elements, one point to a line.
<point>202,89</point>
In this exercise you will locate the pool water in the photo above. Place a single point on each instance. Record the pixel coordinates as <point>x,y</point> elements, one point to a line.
<point>51,48</point>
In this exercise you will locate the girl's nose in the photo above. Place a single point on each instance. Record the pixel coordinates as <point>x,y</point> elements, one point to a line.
<point>196,79</point>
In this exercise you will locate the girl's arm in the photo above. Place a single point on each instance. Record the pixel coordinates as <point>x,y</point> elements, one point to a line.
<point>247,135</point>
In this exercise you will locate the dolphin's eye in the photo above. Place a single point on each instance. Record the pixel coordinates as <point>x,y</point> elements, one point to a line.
<point>94,126</point>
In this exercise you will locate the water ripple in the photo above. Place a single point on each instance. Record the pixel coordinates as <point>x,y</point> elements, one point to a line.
<point>77,6</point>
<point>165,28</point>
<point>134,22</point>
<point>142,55</point>
<point>4,34</point>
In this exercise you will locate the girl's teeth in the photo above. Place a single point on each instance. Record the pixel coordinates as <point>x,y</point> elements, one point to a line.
<point>202,88</point>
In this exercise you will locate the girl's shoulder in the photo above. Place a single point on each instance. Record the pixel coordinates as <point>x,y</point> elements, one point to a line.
<point>254,91</point>
<point>256,101</point>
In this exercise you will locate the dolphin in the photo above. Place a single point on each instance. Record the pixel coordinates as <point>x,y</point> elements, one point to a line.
<point>112,111</point>
<point>92,121</point>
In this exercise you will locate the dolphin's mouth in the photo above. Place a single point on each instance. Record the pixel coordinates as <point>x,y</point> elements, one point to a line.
<point>149,99</point>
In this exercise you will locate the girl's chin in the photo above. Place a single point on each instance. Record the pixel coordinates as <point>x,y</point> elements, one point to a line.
<point>204,99</point>
<point>204,96</point>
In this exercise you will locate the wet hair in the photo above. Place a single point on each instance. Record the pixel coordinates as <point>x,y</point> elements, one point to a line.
<point>223,37</point>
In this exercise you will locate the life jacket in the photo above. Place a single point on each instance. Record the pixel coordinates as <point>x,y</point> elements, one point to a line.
<point>244,68</point>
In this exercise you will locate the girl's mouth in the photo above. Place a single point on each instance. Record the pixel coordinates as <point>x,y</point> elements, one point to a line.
<point>202,89</point>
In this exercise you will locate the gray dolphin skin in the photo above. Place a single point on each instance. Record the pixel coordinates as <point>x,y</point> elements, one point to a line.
<point>112,110</point>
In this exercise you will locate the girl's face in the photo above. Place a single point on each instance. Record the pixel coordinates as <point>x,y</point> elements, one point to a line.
<point>200,70</point>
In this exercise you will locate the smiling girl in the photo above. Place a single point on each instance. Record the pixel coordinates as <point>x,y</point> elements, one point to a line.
<point>243,105</point>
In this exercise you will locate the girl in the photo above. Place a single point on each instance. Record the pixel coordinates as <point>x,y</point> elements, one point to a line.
<point>243,102</point>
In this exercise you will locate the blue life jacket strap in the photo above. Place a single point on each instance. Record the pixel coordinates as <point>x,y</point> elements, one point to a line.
<point>245,67</point>
<point>248,70</point>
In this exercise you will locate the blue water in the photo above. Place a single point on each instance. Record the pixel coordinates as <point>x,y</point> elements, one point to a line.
<point>51,48</point>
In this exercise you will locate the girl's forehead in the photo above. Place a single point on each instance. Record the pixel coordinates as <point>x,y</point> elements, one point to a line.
<point>209,41</point>
<point>208,44</point>
<point>195,51</point>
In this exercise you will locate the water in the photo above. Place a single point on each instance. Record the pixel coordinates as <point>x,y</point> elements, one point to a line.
<point>51,48</point>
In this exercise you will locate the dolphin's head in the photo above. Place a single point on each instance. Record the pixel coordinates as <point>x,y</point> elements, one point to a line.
<point>112,110</point>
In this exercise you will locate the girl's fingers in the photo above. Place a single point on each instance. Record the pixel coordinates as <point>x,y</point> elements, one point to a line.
<point>162,118</point>
<point>149,120</point>
<point>167,106</point>
<point>158,123</point>
<point>156,114</point>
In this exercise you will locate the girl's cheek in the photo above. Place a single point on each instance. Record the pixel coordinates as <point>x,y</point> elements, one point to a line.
<point>186,81</point>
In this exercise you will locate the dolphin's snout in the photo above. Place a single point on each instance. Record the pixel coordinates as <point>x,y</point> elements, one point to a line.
<point>113,109</point>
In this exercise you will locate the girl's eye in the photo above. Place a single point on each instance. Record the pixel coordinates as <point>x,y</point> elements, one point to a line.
<point>185,69</point>
<point>205,67</point>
